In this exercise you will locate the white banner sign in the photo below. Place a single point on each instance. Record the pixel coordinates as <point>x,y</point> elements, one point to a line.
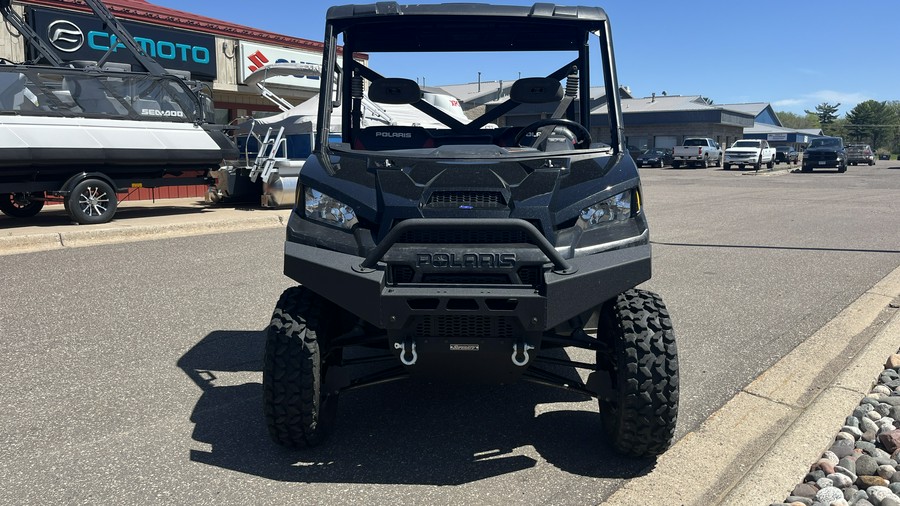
<point>255,56</point>
<point>776,137</point>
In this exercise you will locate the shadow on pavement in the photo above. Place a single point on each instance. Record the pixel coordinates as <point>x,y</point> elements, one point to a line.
<point>406,432</point>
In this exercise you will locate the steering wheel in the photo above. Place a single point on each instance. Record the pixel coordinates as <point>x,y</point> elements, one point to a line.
<point>582,132</point>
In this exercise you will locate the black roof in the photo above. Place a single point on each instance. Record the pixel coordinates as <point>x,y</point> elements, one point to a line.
<point>389,26</point>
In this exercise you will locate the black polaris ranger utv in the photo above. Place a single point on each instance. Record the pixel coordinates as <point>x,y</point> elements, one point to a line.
<point>479,250</point>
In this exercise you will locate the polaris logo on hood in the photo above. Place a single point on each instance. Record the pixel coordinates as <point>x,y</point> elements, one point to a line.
<point>395,135</point>
<point>466,260</point>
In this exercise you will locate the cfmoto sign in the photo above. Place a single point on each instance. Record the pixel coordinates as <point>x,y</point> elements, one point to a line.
<point>167,50</point>
<point>65,36</point>
<point>80,37</point>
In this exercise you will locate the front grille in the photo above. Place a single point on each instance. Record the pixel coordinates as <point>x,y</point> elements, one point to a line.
<point>466,199</point>
<point>530,275</point>
<point>466,279</point>
<point>467,326</point>
<point>465,237</point>
<point>402,274</point>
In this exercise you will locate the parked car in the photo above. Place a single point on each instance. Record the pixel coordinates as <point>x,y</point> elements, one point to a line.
<point>825,152</point>
<point>786,154</point>
<point>860,153</point>
<point>657,157</point>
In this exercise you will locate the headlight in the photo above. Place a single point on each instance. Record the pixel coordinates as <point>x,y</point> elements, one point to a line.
<point>613,209</point>
<point>322,208</point>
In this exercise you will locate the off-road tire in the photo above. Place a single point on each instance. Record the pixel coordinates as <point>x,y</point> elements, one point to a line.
<point>20,205</point>
<point>298,413</point>
<point>642,410</point>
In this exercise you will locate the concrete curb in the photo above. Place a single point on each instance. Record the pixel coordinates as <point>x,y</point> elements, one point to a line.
<point>757,447</point>
<point>15,244</point>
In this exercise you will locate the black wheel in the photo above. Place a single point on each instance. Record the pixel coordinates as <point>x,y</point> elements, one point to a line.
<point>676,165</point>
<point>299,413</point>
<point>583,134</point>
<point>842,168</point>
<point>758,163</point>
<point>770,164</point>
<point>20,204</point>
<point>661,163</point>
<point>726,166</point>
<point>718,162</point>
<point>92,201</point>
<point>641,411</point>
<point>805,168</point>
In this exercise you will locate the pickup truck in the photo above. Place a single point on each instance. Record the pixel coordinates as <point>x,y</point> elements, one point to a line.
<point>751,152</point>
<point>699,151</point>
<point>825,152</point>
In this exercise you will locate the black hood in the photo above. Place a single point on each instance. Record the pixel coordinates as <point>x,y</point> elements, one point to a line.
<point>545,190</point>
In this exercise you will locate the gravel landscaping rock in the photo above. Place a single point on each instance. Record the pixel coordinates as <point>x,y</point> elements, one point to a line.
<point>861,466</point>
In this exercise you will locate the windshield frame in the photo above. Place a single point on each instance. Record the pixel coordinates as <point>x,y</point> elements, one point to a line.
<point>341,69</point>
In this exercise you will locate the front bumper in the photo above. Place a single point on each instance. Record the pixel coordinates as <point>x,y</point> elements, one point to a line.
<point>743,160</point>
<point>562,290</point>
<point>821,163</point>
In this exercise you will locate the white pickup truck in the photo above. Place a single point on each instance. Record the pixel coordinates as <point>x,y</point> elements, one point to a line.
<point>699,151</point>
<point>750,152</point>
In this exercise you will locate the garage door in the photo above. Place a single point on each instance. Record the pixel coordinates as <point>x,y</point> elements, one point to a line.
<point>665,141</point>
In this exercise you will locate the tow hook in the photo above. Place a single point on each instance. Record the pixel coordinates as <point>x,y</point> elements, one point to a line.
<point>407,345</point>
<point>524,361</point>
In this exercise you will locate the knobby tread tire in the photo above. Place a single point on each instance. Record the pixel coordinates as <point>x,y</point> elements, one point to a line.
<point>640,417</point>
<point>293,369</point>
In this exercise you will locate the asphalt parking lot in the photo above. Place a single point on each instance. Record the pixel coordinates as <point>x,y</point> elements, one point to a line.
<point>779,284</point>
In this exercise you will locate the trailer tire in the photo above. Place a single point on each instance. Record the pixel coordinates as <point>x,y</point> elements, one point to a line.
<point>92,201</point>
<point>21,204</point>
<point>641,410</point>
<point>298,412</point>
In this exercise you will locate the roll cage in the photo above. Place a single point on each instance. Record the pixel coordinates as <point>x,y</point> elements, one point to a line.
<point>390,27</point>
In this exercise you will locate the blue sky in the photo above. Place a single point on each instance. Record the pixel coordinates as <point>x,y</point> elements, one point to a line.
<point>792,54</point>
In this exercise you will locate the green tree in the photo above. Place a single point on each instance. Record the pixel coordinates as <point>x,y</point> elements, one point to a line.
<point>791,120</point>
<point>872,122</point>
<point>827,114</point>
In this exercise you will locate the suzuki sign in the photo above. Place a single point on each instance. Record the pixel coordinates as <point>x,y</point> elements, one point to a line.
<point>256,56</point>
